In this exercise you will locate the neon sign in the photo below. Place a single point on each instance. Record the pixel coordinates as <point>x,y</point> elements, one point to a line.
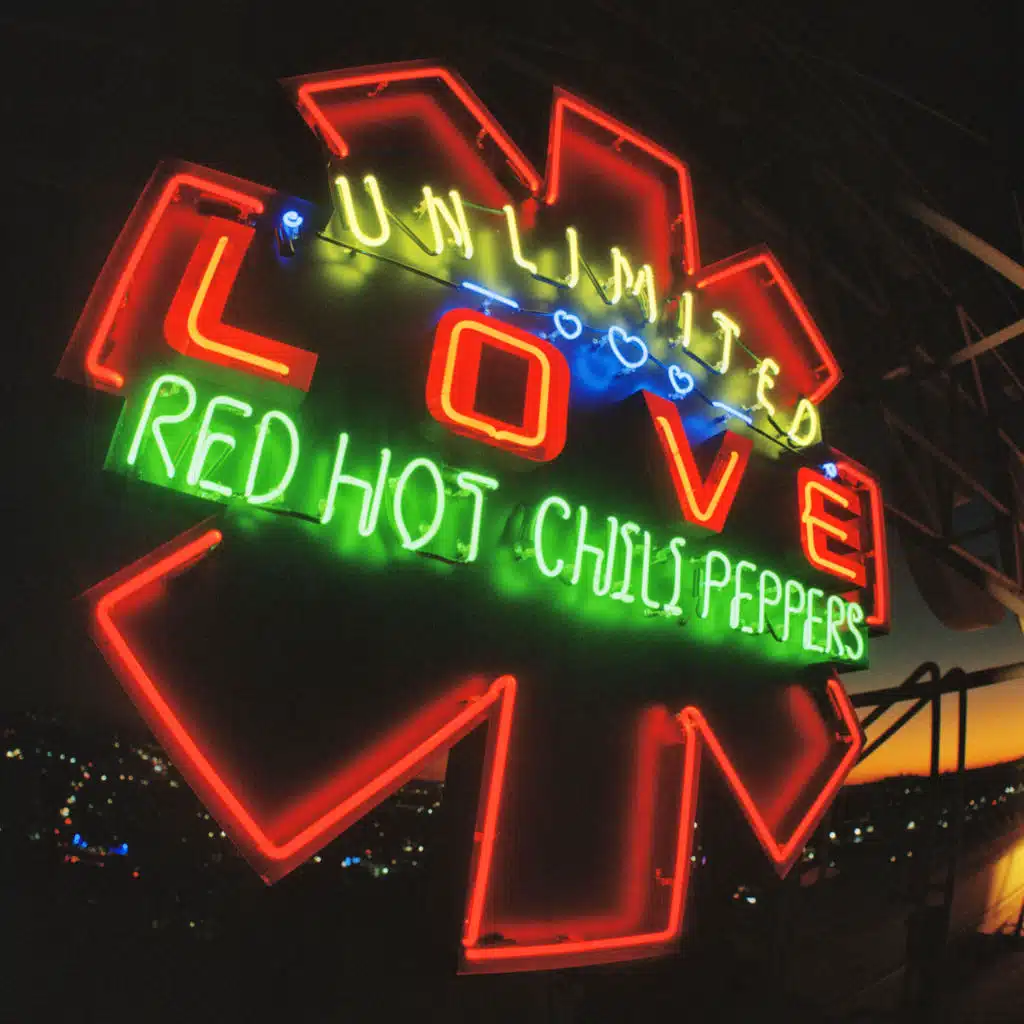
<point>673,325</point>
<point>454,375</point>
<point>419,496</point>
<point>517,412</point>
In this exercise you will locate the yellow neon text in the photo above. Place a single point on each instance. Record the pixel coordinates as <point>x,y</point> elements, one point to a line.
<point>348,207</point>
<point>806,416</point>
<point>573,277</point>
<point>513,237</point>
<point>730,331</point>
<point>767,371</point>
<point>684,321</point>
<point>454,220</point>
<point>639,284</point>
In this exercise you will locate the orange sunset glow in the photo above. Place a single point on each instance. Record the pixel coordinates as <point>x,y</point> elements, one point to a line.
<point>995,721</point>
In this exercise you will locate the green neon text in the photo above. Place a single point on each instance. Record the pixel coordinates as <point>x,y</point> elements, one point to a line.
<point>420,506</point>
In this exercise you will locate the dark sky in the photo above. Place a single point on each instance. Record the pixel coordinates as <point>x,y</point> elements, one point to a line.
<point>97,94</point>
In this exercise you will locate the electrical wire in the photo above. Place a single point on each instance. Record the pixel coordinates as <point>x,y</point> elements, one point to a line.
<point>785,446</point>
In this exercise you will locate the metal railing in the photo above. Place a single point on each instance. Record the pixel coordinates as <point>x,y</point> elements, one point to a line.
<point>929,922</point>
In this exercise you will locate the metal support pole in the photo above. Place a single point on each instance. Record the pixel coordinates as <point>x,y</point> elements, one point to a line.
<point>958,795</point>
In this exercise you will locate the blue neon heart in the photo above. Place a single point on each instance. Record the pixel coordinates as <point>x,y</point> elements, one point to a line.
<point>681,381</point>
<point>616,335</point>
<point>568,325</point>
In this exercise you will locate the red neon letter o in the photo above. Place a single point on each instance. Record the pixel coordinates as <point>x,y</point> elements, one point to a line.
<point>454,372</point>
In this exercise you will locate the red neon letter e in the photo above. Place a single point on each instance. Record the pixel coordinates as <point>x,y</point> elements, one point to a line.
<point>704,502</point>
<point>819,526</point>
<point>455,370</point>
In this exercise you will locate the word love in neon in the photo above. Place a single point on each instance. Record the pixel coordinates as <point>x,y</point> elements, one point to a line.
<point>451,230</point>
<point>431,507</point>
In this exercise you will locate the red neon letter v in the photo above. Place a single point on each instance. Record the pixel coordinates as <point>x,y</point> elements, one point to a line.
<point>704,502</point>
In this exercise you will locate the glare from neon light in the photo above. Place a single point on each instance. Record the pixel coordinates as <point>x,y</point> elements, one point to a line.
<point>435,524</point>
<point>730,330</point>
<point>458,227</point>
<point>348,206</point>
<point>737,413</point>
<point>767,371</point>
<point>293,459</point>
<point>568,325</point>
<point>616,336</point>
<point>488,294</point>
<point>147,409</point>
<point>740,595</point>
<point>812,620</point>
<point>763,602</point>
<point>475,483</point>
<point>805,410</point>
<point>831,470</point>
<point>627,532</point>
<point>372,493</point>
<point>789,609</point>
<point>513,236</point>
<point>681,381</point>
<point>573,277</point>
<point>709,582</point>
<point>207,438</point>
<point>601,557</point>
<point>854,617</point>
<point>565,511</point>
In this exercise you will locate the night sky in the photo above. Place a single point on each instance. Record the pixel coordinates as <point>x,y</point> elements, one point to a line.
<point>98,94</point>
